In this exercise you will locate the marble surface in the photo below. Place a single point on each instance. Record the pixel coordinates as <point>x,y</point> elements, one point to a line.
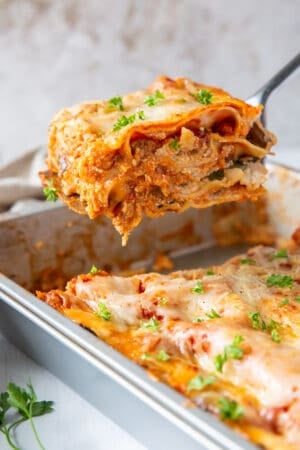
<point>56,53</point>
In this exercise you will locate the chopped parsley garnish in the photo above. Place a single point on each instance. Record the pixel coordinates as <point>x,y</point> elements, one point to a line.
<point>273,324</point>
<point>198,320</point>
<point>141,115</point>
<point>198,288</point>
<point>50,192</point>
<point>280,254</point>
<point>247,261</point>
<point>229,409</point>
<point>146,355</point>
<point>213,314</point>
<point>232,351</point>
<point>152,99</point>
<point>257,321</point>
<point>272,327</point>
<point>297,299</point>
<point>123,121</point>
<point>204,96</point>
<point>162,356</point>
<point>210,272</point>
<point>103,312</point>
<point>275,336</point>
<point>152,324</point>
<point>93,270</point>
<point>116,103</point>
<point>216,175</point>
<point>280,280</point>
<point>199,382</point>
<point>284,302</point>
<point>163,301</point>
<point>174,144</point>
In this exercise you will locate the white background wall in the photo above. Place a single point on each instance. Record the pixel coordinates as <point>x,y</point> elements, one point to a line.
<point>56,53</point>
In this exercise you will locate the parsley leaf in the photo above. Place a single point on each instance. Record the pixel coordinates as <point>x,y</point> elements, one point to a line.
<point>116,103</point>
<point>284,302</point>
<point>123,121</point>
<point>50,192</point>
<point>255,317</point>
<point>204,96</point>
<point>247,261</point>
<point>174,144</point>
<point>152,99</point>
<point>230,409</point>
<point>275,336</point>
<point>219,362</point>
<point>152,324</point>
<point>210,272</point>
<point>280,254</point>
<point>141,115</point>
<point>162,356</point>
<point>297,299</point>
<point>198,320</point>
<point>199,382</point>
<point>198,288</point>
<point>213,314</point>
<point>93,270</point>
<point>232,351</point>
<point>146,355</point>
<point>280,280</point>
<point>103,312</point>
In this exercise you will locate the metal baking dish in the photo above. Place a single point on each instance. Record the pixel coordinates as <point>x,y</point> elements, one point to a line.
<point>39,249</point>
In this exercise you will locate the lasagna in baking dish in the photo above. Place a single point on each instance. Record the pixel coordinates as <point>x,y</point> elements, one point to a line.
<point>227,337</point>
<point>176,145</point>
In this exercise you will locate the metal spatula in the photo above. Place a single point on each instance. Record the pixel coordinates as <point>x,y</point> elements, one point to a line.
<point>261,96</point>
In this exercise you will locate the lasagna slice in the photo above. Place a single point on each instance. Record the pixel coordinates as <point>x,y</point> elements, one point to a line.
<point>176,145</point>
<point>227,337</point>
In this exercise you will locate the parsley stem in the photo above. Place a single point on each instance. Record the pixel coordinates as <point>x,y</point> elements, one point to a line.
<point>5,431</point>
<point>15,424</point>
<point>34,429</point>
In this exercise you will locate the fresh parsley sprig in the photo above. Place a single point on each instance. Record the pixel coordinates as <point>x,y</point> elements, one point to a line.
<point>25,404</point>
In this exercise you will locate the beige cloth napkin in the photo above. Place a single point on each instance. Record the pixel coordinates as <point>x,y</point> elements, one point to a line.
<point>19,180</point>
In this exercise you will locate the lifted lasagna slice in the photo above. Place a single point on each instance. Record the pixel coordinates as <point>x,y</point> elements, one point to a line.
<point>227,337</point>
<point>176,145</point>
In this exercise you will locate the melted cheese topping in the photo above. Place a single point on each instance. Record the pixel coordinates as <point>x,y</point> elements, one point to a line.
<point>138,159</point>
<point>195,318</point>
